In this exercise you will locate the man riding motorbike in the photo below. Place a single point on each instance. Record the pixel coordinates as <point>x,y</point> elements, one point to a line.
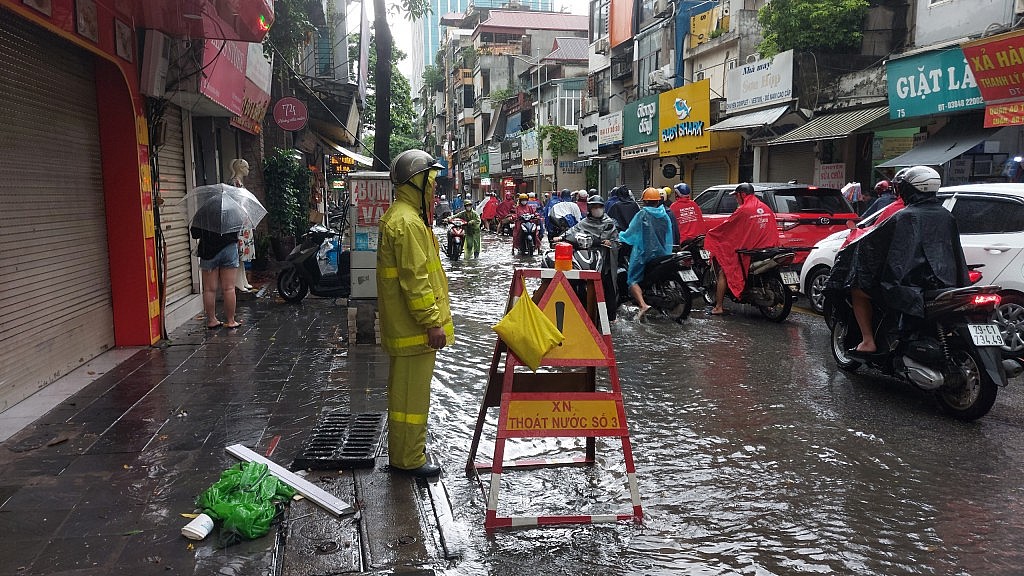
<point>489,212</point>
<point>750,227</point>
<point>563,215</point>
<point>504,209</point>
<point>915,250</point>
<point>523,207</point>
<point>623,208</point>
<point>602,230</point>
<point>473,224</point>
<point>650,235</point>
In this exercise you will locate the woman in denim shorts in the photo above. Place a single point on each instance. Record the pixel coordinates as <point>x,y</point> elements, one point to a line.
<point>218,263</point>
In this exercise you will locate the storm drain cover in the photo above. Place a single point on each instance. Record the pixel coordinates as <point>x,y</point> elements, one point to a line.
<point>342,440</point>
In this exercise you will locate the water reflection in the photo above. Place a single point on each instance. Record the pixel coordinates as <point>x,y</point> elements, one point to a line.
<point>753,455</point>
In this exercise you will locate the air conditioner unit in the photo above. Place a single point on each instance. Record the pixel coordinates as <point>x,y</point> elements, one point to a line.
<point>698,76</point>
<point>601,47</point>
<point>156,57</point>
<point>662,8</point>
<point>658,80</point>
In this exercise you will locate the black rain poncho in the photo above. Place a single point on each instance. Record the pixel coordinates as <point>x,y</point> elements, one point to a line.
<point>915,250</point>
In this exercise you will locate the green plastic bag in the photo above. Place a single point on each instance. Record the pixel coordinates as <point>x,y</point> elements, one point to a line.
<point>245,499</point>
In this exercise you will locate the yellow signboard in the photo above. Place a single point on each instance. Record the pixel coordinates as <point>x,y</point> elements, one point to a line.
<point>684,116</point>
<point>558,413</point>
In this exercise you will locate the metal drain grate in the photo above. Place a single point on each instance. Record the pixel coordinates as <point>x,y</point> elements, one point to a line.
<point>342,440</point>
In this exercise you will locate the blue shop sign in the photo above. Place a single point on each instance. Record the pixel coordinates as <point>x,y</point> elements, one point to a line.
<point>938,82</point>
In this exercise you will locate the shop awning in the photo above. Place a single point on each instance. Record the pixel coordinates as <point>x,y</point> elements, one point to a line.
<point>832,126</point>
<point>942,147</point>
<point>359,158</point>
<point>758,119</point>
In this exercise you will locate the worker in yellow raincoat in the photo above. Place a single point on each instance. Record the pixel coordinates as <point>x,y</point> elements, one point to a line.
<point>415,318</point>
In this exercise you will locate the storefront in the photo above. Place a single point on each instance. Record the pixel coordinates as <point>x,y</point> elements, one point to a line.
<point>639,142</point>
<point>81,261</point>
<point>703,158</point>
<point>77,253</point>
<point>609,144</point>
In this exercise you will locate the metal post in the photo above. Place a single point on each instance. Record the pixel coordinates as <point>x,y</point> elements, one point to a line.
<point>537,124</point>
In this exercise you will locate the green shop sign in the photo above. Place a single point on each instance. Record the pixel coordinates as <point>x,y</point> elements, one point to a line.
<point>938,82</point>
<point>640,121</point>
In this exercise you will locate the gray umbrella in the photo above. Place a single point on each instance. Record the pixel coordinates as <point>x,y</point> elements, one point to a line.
<point>221,208</point>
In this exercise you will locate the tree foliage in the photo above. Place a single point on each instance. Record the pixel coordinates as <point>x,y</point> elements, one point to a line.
<point>811,25</point>
<point>287,189</point>
<point>560,140</point>
<point>291,28</point>
<point>402,115</point>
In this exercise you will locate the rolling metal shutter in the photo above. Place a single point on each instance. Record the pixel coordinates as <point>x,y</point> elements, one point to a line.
<point>633,177</point>
<point>708,174</point>
<point>55,303</point>
<point>173,223</point>
<point>791,162</point>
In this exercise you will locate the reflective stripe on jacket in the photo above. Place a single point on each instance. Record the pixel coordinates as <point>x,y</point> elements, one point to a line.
<point>412,288</point>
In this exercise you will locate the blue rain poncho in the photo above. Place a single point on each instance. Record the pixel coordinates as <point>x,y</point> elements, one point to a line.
<point>650,235</point>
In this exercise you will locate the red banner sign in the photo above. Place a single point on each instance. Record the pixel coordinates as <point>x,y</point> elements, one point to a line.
<point>998,66</point>
<point>224,77</point>
<point>999,115</point>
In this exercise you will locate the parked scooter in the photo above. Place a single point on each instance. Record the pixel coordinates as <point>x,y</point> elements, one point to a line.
<point>456,237</point>
<point>666,284</point>
<point>771,285</point>
<point>529,234</point>
<point>307,268</point>
<point>953,352</point>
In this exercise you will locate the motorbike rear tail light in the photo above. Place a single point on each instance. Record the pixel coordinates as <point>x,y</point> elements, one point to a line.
<point>973,276</point>
<point>784,225</point>
<point>986,299</point>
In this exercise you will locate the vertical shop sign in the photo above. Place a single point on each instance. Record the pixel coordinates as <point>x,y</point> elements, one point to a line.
<point>685,114</point>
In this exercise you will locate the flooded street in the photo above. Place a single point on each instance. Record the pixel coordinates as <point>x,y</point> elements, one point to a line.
<point>754,455</point>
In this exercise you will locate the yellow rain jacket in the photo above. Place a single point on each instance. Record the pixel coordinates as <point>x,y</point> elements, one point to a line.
<point>412,288</point>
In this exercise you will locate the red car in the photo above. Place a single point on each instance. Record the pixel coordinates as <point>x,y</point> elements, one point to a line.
<point>805,214</point>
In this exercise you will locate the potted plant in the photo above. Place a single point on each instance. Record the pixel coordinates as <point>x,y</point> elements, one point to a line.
<point>287,190</point>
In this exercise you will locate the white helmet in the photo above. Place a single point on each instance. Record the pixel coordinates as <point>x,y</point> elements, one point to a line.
<point>916,181</point>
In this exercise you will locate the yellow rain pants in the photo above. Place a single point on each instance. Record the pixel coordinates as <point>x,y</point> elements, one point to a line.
<point>408,404</point>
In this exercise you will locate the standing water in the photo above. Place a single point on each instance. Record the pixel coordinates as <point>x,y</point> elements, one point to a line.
<point>754,455</point>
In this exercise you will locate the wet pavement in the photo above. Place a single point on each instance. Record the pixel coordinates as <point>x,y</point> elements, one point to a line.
<point>754,455</point>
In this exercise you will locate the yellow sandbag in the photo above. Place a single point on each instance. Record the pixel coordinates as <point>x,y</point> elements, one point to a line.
<point>527,331</point>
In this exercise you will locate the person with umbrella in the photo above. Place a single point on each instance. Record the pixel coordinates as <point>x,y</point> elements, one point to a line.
<point>216,215</point>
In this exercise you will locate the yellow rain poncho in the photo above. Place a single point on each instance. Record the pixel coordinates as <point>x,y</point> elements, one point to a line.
<point>412,292</point>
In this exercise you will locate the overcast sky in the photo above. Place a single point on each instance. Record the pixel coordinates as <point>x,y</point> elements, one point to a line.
<point>401,29</point>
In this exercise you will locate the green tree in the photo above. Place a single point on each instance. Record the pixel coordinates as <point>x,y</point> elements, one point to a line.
<point>291,28</point>
<point>402,115</point>
<point>811,25</point>
<point>383,68</point>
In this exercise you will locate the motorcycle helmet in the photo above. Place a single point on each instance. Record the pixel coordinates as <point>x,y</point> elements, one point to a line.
<point>595,200</point>
<point>591,192</point>
<point>651,195</point>
<point>523,197</point>
<point>917,182</point>
<point>682,189</point>
<point>882,187</point>
<point>411,163</point>
<point>565,194</point>
<point>743,188</point>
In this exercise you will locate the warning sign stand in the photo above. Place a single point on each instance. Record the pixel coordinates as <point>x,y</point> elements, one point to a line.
<point>553,404</point>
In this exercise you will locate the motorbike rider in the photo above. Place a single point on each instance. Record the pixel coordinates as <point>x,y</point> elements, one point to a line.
<point>650,236</point>
<point>602,230</point>
<point>624,208</point>
<point>750,227</point>
<point>885,196</point>
<point>688,215</point>
<point>469,214</point>
<point>860,230</point>
<point>504,209</point>
<point>489,212</point>
<point>442,210</point>
<point>523,207</point>
<point>915,250</point>
<point>581,200</point>
<point>565,214</point>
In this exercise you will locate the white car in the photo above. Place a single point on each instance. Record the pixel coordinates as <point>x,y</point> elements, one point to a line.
<point>991,222</point>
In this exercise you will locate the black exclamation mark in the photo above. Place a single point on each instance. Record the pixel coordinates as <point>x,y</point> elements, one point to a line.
<point>560,316</point>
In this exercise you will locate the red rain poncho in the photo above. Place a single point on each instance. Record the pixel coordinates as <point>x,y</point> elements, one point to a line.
<point>689,218</point>
<point>750,227</point>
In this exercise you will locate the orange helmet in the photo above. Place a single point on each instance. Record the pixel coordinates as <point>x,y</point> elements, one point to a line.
<point>523,197</point>
<point>651,194</point>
